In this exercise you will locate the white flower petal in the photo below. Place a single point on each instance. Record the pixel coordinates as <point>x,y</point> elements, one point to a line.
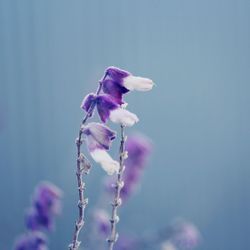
<point>104,159</point>
<point>123,116</point>
<point>137,83</point>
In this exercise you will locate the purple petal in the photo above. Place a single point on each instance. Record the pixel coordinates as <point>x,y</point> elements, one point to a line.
<point>115,89</point>
<point>113,83</point>
<point>98,136</point>
<point>47,198</point>
<point>139,148</point>
<point>116,74</point>
<point>37,221</point>
<point>87,101</point>
<point>104,105</point>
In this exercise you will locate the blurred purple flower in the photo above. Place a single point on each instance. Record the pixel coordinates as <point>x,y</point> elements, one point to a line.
<point>185,235</point>
<point>118,82</point>
<point>126,243</point>
<point>102,223</point>
<point>31,241</point>
<point>138,148</point>
<point>46,204</point>
<point>99,138</point>
<point>36,221</point>
<point>108,108</point>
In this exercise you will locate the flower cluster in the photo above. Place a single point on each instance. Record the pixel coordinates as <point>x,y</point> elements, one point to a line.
<point>32,241</point>
<point>109,103</point>
<point>46,204</point>
<point>110,106</point>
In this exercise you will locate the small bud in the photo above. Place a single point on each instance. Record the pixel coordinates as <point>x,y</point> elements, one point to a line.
<point>85,164</point>
<point>125,155</point>
<point>114,239</point>
<point>83,203</point>
<point>78,142</point>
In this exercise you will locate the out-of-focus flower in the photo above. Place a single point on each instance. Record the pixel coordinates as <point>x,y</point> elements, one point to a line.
<point>118,82</point>
<point>108,108</point>
<point>138,148</point>
<point>47,198</point>
<point>99,138</point>
<point>46,204</point>
<point>102,223</point>
<point>125,243</point>
<point>185,235</point>
<point>167,245</point>
<point>36,221</point>
<point>31,241</point>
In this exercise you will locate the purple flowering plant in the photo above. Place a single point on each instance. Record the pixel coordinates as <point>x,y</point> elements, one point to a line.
<point>121,182</point>
<point>40,217</point>
<point>98,137</point>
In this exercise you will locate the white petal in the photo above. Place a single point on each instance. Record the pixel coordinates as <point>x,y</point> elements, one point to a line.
<point>123,116</point>
<point>104,159</point>
<point>137,83</point>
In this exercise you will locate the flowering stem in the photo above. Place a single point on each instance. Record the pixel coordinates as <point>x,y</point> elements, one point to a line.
<point>82,168</point>
<point>117,199</point>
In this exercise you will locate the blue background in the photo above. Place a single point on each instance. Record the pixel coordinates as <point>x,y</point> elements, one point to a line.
<point>198,52</point>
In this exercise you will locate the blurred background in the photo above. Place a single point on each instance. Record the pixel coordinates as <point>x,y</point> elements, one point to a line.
<point>52,53</point>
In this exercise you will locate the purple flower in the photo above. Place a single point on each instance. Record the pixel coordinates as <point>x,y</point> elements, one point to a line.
<point>88,101</point>
<point>138,148</point>
<point>37,221</point>
<point>99,138</point>
<point>185,235</point>
<point>47,198</point>
<point>31,241</point>
<point>108,108</point>
<point>118,82</point>
<point>46,204</point>
<point>101,219</point>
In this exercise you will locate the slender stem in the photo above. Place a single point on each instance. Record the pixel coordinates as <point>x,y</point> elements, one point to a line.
<point>117,199</point>
<point>82,167</point>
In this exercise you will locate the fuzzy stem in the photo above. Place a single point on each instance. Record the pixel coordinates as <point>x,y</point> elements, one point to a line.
<point>117,199</point>
<point>81,159</point>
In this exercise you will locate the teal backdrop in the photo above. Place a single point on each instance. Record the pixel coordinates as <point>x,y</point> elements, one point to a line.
<point>54,52</point>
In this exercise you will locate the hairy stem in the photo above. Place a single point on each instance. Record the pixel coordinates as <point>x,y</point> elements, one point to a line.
<point>117,199</point>
<point>82,167</point>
